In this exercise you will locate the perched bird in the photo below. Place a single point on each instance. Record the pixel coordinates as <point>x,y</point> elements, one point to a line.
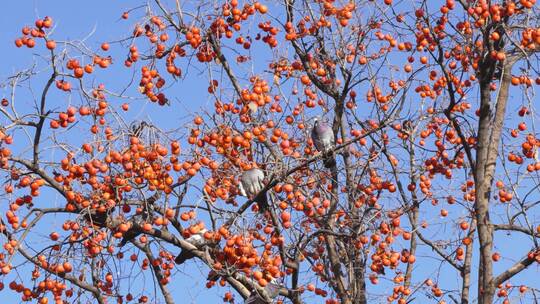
<point>137,128</point>
<point>323,138</point>
<point>407,127</point>
<point>196,240</point>
<point>212,276</point>
<point>272,288</point>
<point>145,216</point>
<point>128,236</point>
<point>272,291</point>
<point>254,298</point>
<point>98,219</point>
<point>251,185</point>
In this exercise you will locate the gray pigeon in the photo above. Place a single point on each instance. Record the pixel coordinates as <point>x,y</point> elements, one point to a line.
<point>254,298</point>
<point>272,290</point>
<point>323,138</point>
<point>251,184</point>
<point>133,232</point>
<point>128,236</point>
<point>196,240</point>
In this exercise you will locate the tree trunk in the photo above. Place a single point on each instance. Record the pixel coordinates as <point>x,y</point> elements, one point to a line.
<point>489,134</point>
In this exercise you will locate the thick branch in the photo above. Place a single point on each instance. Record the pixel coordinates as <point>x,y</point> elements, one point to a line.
<point>515,269</point>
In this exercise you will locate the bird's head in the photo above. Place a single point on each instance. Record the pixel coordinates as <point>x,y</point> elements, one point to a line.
<point>316,121</point>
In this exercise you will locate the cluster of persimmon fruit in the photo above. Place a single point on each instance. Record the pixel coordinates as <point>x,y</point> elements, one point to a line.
<point>155,28</point>
<point>468,55</point>
<point>28,39</point>
<point>29,34</point>
<point>58,289</point>
<point>151,80</point>
<point>232,15</point>
<point>505,290</point>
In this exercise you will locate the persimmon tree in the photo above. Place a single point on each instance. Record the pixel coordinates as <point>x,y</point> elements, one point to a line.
<point>432,198</point>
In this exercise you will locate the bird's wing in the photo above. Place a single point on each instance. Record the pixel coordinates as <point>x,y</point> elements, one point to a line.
<point>259,180</point>
<point>197,239</point>
<point>327,136</point>
<point>316,140</point>
<point>248,182</point>
<point>194,239</point>
<point>273,289</point>
<point>254,299</point>
<point>241,188</point>
<point>183,256</point>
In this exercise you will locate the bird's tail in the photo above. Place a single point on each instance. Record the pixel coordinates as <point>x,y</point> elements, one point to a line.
<point>329,160</point>
<point>128,236</point>
<point>183,256</point>
<point>212,276</point>
<point>262,201</point>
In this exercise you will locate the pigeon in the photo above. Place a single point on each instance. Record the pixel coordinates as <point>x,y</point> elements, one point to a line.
<point>133,232</point>
<point>137,128</point>
<point>196,240</point>
<point>213,276</point>
<point>323,138</point>
<point>254,298</point>
<point>272,290</point>
<point>250,186</point>
<point>128,236</point>
<point>99,219</point>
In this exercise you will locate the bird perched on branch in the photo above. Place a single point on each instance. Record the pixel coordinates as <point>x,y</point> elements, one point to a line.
<point>196,240</point>
<point>147,215</point>
<point>323,139</point>
<point>272,291</point>
<point>128,236</point>
<point>97,218</point>
<point>137,128</point>
<point>407,128</point>
<point>254,298</point>
<point>251,186</point>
